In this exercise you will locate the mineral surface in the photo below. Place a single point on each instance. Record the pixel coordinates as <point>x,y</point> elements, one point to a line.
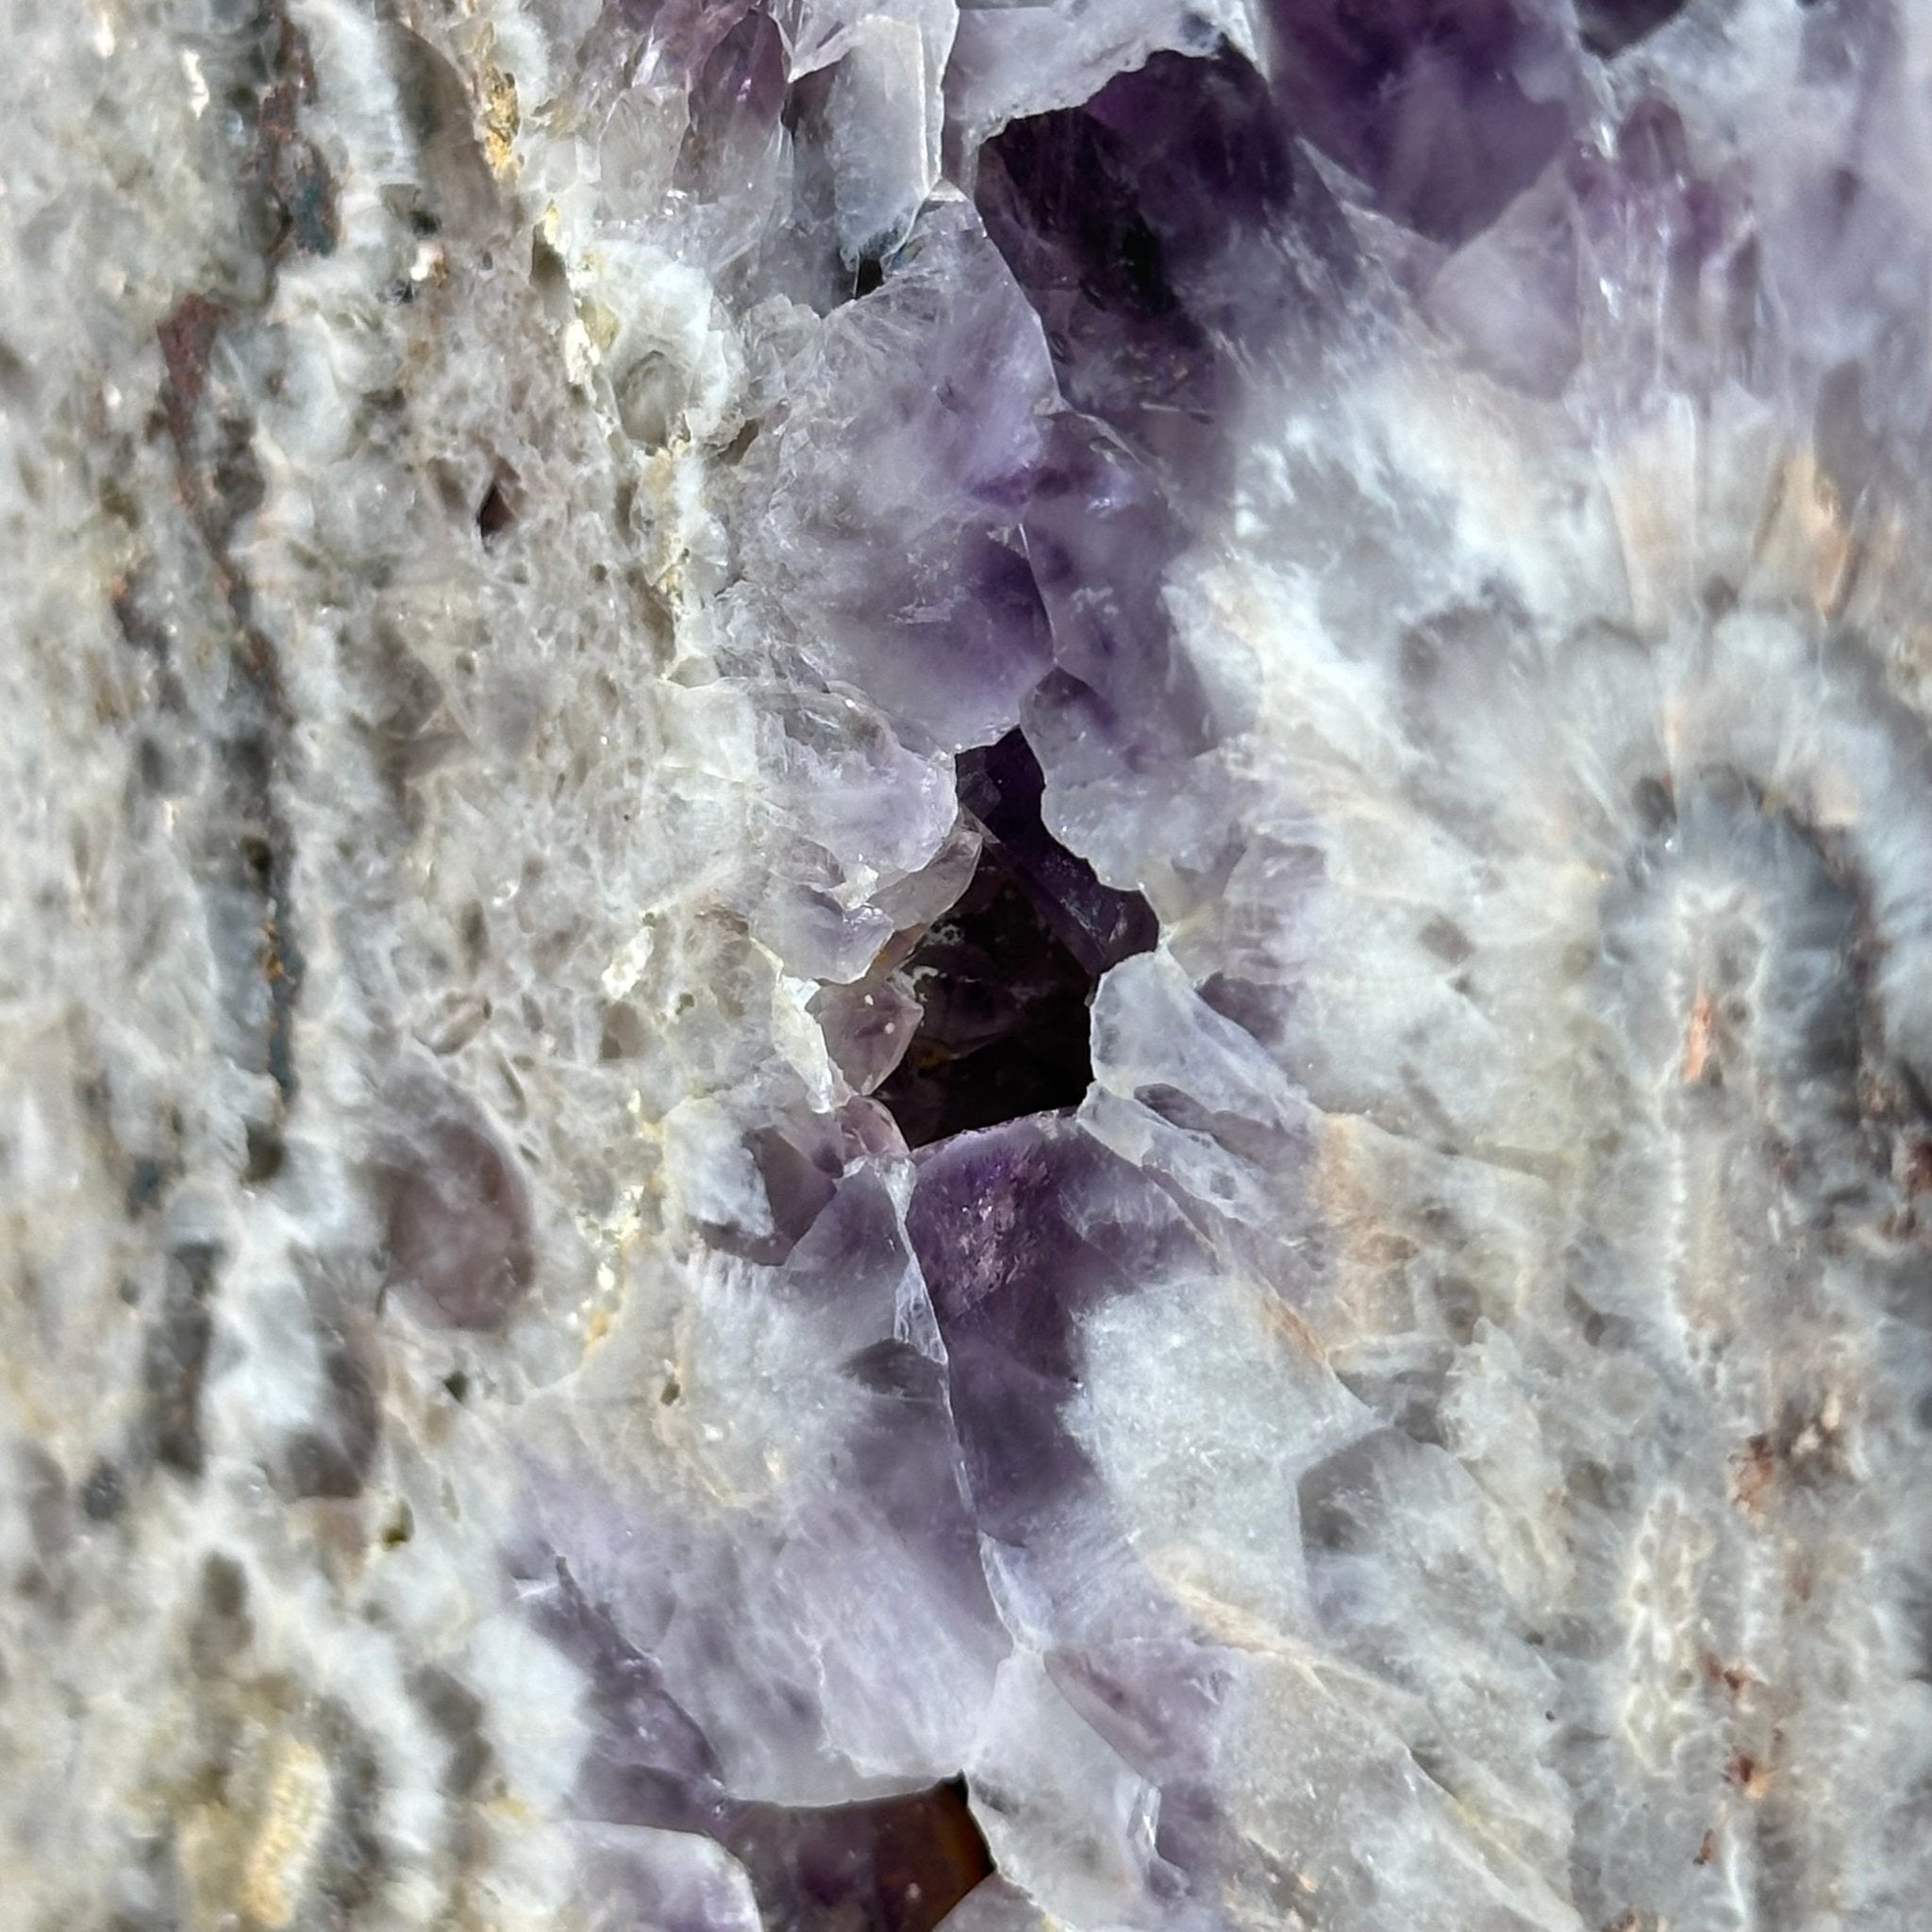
<point>966,966</point>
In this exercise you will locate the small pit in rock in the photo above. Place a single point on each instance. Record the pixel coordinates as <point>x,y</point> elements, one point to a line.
<point>497,512</point>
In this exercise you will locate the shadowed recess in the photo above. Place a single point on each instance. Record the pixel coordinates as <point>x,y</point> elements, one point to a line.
<point>896,1865</point>
<point>1005,978</point>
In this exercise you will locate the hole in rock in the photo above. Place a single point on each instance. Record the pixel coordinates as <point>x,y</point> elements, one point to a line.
<point>1006,977</point>
<point>1608,26</point>
<point>265,1152</point>
<point>104,1494</point>
<point>497,512</point>
<point>894,1865</point>
<point>1004,1029</point>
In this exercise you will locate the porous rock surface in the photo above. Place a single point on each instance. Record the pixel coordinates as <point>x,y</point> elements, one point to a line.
<point>965,966</point>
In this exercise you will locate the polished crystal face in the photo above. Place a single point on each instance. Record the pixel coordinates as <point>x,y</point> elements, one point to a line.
<point>966,968</point>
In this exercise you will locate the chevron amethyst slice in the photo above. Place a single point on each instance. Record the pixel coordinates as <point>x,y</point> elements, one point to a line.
<point>966,966</point>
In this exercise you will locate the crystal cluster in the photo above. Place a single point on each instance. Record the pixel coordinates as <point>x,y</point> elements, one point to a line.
<point>966,966</point>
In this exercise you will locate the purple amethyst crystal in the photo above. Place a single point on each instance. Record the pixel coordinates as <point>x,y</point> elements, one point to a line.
<point>1019,1232</point>
<point>968,968</point>
<point>1444,108</point>
<point>678,36</point>
<point>893,547</point>
<point>1124,220</point>
<point>737,90</point>
<point>1167,230</point>
<point>458,1242</point>
<point>1102,537</point>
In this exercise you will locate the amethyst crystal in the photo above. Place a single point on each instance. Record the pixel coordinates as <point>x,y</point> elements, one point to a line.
<point>458,1241</point>
<point>970,968</point>
<point>1444,109</point>
<point>907,578</point>
<point>1138,225</point>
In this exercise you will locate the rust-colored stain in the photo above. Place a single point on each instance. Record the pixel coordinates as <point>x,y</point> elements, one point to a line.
<point>1757,1469</point>
<point>1917,1169</point>
<point>1698,1062</point>
<point>188,338</point>
<point>1735,1678</point>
